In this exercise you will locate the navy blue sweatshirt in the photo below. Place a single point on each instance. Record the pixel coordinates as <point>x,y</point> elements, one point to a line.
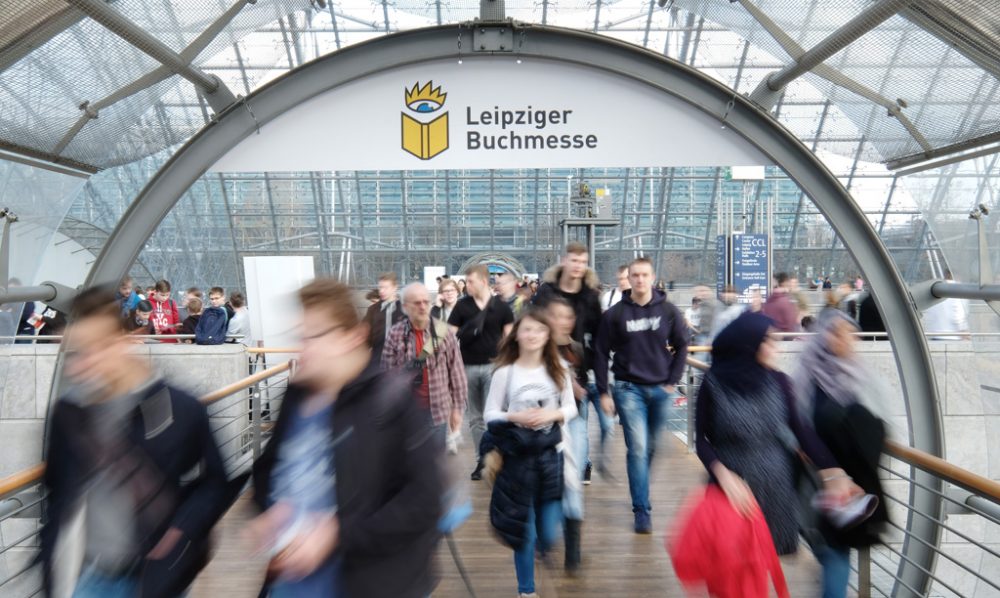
<point>639,335</point>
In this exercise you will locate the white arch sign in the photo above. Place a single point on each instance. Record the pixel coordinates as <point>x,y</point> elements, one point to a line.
<point>490,112</point>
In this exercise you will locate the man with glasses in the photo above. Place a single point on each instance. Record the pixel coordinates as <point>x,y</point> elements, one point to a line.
<point>424,348</point>
<point>349,484</point>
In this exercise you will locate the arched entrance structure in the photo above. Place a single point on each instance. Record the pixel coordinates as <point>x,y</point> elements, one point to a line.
<point>601,55</point>
<point>495,259</point>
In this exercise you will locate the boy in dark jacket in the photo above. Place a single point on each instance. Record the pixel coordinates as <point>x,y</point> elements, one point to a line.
<point>190,324</point>
<point>574,281</point>
<point>121,441</point>
<point>648,337</point>
<point>350,484</point>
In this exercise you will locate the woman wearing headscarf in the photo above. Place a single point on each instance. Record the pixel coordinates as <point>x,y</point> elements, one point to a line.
<point>833,384</point>
<point>749,433</point>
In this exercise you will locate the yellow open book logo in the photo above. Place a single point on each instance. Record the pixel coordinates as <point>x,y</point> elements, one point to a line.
<point>425,135</point>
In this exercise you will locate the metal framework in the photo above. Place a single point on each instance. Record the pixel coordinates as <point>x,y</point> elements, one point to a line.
<point>183,170</point>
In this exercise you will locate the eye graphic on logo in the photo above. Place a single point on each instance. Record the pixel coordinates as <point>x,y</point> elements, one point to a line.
<point>425,99</point>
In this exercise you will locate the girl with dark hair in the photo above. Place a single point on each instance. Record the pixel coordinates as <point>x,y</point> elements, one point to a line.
<point>749,435</point>
<point>531,393</point>
<point>833,385</point>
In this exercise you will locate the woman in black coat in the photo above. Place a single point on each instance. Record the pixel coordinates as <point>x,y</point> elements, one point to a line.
<point>832,384</point>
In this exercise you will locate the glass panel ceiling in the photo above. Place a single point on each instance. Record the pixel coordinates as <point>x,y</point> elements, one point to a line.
<point>934,60</point>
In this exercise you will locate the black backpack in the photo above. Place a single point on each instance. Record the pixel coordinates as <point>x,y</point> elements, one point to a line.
<point>211,329</point>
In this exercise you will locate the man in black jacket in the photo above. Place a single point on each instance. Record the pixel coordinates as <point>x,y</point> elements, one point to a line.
<point>120,442</point>
<point>350,483</point>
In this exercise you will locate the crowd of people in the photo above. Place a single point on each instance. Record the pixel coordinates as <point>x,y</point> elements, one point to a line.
<point>351,486</point>
<point>154,312</point>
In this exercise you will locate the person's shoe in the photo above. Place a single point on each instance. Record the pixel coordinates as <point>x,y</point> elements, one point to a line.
<point>643,523</point>
<point>586,474</point>
<point>531,595</point>
<point>477,473</point>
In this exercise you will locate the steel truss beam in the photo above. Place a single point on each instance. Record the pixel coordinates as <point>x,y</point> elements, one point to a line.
<point>91,110</point>
<point>793,49</point>
<point>217,94</point>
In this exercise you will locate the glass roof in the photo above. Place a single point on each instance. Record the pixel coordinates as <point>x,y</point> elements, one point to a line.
<point>922,80</point>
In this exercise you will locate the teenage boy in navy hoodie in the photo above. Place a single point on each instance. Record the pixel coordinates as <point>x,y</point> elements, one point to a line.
<point>648,337</point>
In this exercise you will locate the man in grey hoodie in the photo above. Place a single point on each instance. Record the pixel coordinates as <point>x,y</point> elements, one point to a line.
<point>648,337</point>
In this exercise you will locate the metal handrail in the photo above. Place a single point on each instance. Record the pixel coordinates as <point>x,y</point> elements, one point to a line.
<point>946,471</point>
<point>935,465</point>
<point>25,478</point>
<point>985,497</point>
<point>18,481</point>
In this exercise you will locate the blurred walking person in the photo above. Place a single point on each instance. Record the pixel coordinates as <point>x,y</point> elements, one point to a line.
<point>385,314</point>
<point>562,319</point>
<point>573,280</point>
<point>749,433</point>
<point>121,441</point>
<point>837,393</point>
<point>350,484</point>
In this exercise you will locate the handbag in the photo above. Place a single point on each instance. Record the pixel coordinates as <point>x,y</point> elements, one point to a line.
<point>713,546</point>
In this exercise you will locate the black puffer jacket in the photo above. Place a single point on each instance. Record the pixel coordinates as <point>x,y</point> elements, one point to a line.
<point>532,473</point>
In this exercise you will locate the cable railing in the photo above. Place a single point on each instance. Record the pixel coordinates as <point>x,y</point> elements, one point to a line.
<point>970,521</point>
<point>240,415</point>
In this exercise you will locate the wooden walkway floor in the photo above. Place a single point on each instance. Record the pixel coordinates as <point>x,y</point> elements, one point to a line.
<point>617,562</point>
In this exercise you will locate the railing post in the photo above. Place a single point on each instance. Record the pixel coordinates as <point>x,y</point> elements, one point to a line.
<point>864,572</point>
<point>255,431</point>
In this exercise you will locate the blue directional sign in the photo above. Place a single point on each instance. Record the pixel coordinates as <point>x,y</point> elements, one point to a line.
<point>750,264</point>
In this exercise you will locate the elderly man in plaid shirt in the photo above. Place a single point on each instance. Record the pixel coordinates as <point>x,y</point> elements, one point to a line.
<point>426,348</point>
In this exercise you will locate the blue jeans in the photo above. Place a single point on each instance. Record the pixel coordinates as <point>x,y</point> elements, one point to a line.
<point>606,423</point>
<point>836,562</point>
<point>542,529</point>
<point>643,411</point>
<point>94,584</point>
<point>478,378</point>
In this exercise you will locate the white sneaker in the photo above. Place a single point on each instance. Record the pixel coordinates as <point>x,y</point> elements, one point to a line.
<point>531,595</point>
